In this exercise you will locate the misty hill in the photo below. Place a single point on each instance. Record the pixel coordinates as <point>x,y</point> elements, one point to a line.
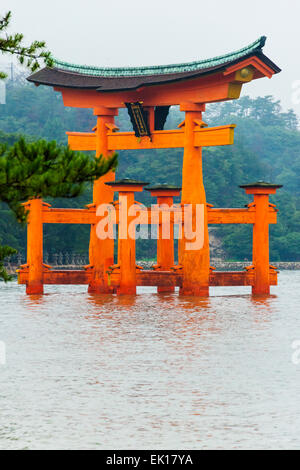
<point>267,146</point>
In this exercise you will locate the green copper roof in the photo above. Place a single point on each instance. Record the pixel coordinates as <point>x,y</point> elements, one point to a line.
<point>160,69</point>
<point>163,186</point>
<point>126,181</point>
<point>261,184</point>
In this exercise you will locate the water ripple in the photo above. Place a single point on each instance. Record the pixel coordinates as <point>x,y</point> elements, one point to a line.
<point>153,371</point>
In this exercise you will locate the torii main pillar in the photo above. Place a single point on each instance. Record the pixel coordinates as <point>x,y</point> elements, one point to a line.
<point>195,262</point>
<point>101,252</point>
<point>165,244</point>
<point>261,254</point>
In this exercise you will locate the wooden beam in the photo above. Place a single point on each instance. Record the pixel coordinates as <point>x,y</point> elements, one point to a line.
<point>82,140</point>
<point>74,277</point>
<point>69,216</point>
<point>203,137</point>
<point>159,278</point>
<point>215,216</point>
<point>237,278</point>
<point>159,139</point>
<point>204,89</point>
<point>237,216</point>
<point>255,62</point>
<point>147,278</point>
<point>213,136</point>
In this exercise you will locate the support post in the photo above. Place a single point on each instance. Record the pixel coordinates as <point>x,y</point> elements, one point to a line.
<point>35,247</point>
<point>165,241</point>
<point>151,117</point>
<point>261,256</point>
<point>195,262</point>
<point>126,246</point>
<point>126,235</point>
<point>101,252</point>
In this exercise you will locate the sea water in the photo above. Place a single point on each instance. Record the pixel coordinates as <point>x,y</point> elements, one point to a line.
<point>152,371</point>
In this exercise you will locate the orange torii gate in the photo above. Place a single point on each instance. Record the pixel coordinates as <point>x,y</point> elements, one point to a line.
<point>148,92</point>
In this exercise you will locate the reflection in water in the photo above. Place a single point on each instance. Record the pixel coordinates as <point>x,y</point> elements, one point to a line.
<point>152,370</point>
<point>263,308</point>
<point>32,300</point>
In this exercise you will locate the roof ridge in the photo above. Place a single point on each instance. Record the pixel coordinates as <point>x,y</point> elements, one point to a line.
<point>159,69</point>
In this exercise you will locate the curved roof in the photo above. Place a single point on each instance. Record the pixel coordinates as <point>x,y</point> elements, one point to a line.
<point>260,184</point>
<point>159,69</point>
<point>64,74</point>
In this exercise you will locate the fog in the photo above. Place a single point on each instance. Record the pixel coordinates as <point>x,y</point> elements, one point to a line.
<point>133,32</point>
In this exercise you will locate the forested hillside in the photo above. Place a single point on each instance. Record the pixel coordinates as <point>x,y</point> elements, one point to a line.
<point>267,146</point>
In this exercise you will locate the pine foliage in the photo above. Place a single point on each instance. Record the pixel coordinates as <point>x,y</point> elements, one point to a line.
<point>44,169</point>
<point>5,252</point>
<point>31,55</point>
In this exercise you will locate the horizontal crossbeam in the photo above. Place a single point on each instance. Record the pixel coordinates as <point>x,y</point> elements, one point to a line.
<point>209,136</point>
<point>237,216</point>
<point>69,216</point>
<point>215,216</point>
<point>148,278</point>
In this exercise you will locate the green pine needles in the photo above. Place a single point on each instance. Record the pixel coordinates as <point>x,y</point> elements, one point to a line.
<point>5,252</point>
<point>31,56</point>
<point>44,169</point>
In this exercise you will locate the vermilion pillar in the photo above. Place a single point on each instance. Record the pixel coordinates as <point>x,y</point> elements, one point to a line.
<point>165,241</point>
<point>126,237</point>
<point>261,256</point>
<point>101,252</point>
<point>195,262</point>
<point>35,246</point>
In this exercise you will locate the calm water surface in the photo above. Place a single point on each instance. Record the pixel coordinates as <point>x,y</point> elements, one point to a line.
<point>151,371</point>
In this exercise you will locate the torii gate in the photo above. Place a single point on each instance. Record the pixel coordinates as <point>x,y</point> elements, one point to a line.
<point>148,92</point>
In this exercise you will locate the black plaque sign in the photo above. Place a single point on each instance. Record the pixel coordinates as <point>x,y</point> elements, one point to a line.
<point>139,119</point>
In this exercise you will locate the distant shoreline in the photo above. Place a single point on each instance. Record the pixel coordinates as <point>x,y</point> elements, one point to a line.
<point>235,265</point>
<point>238,265</point>
<point>219,265</point>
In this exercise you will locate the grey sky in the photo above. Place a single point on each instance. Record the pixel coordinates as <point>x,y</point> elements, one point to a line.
<point>135,32</point>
